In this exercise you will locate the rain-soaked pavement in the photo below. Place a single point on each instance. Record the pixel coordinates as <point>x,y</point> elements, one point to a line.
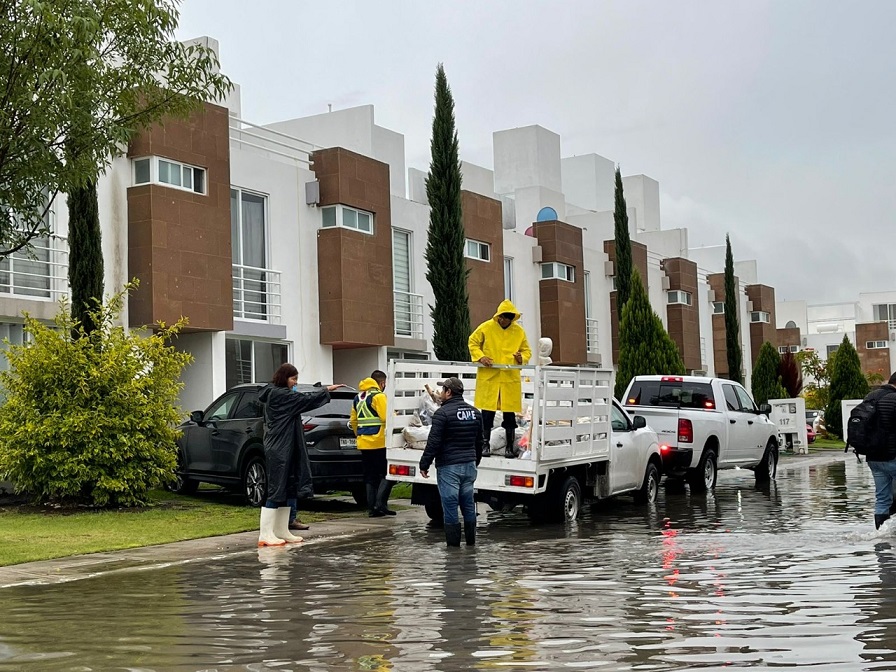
<point>790,576</point>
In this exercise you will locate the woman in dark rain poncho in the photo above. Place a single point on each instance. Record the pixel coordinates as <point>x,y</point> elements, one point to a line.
<point>284,450</point>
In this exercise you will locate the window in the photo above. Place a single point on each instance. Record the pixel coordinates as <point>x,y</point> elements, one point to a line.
<point>508,278</point>
<point>718,307</point>
<point>746,402</point>
<point>478,250</point>
<point>221,408</point>
<point>248,406</point>
<point>831,349</point>
<point>760,316</point>
<point>885,312</point>
<point>16,334</point>
<point>875,345</point>
<point>248,361</point>
<point>790,324</point>
<point>671,394</point>
<point>347,218</point>
<point>678,297</point>
<point>618,421</point>
<point>784,349</point>
<point>248,243</point>
<point>154,169</point>
<point>554,270</point>
<point>731,399</point>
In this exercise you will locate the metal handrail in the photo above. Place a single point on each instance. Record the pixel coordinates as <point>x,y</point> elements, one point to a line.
<point>16,268</point>
<point>591,336</point>
<point>408,309</point>
<point>256,298</point>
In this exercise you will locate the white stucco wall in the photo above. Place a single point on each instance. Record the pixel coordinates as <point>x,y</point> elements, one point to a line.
<point>667,244</point>
<point>528,201</point>
<point>589,181</point>
<point>526,157</point>
<point>477,179</point>
<point>642,193</point>
<point>791,311</point>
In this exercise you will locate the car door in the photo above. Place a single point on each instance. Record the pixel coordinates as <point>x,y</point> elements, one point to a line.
<point>756,423</point>
<point>626,460</point>
<point>242,425</point>
<point>740,428</point>
<point>198,437</point>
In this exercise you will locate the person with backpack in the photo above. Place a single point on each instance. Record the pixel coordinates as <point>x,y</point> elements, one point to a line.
<point>871,431</point>
<point>368,421</point>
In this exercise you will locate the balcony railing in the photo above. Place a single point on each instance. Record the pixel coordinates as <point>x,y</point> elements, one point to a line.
<point>244,134</point>
<point>591,334</point>
<point>40,273</point>
<point>256,294</point>
<point>703,352</point>
<point>408,315</point>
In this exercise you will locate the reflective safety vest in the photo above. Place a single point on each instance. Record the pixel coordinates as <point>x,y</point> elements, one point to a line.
<point>369,423</point>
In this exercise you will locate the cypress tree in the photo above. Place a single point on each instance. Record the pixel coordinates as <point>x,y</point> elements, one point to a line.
<point>85,267</point>
<point>446,270</point>
<point>847,382</point>
<point>645,347</point>
<point>732,325</point>
<point>623,244</point>
<point>766,383</point>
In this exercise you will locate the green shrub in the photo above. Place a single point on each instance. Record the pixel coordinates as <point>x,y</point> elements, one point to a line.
<point>91,419</point>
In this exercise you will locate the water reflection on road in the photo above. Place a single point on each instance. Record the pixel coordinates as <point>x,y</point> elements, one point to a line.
<point>787,576</point>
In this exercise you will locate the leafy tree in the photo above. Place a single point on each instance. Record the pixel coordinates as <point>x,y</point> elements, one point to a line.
<point>91,419</point>
<point>80,78</point>
<point>623,245</point>
<point>645,347</point>
<point>790,375</point>
<point>446,270</point>
<point>765,380</point>
<point>732,325</point>
<point>847,382</point>
<point>85,268</point>
<point>816,392</point>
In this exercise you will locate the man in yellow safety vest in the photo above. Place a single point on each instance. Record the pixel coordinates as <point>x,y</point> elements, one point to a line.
<point>368,421</point>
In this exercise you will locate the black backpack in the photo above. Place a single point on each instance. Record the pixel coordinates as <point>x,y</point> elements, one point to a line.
<point>863,430</point>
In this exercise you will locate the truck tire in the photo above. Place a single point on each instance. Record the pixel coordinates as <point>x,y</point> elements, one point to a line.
<point>255,481</point>
<point>767,469</point>
<point>650,488</point>
<point>568,503</point>
<point>435,512</point>
<point>703,478</point>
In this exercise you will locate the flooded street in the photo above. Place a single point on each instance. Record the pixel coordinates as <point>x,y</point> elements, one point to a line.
<point>787,577</point>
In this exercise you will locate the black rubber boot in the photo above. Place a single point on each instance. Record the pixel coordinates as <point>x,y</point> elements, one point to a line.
<point>382,497</point>
<point>452,534</point>
<point>511,439</point>
<point>372,511</point>
<point>470,532</point>
<point>880,519</point>
<point>893,507</point>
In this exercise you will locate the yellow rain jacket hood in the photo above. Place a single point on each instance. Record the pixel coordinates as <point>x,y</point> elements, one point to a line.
<point>378,405</point>
<point>499,389</point>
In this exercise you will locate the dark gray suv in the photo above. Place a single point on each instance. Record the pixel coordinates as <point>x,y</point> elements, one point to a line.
<point>223,445</point>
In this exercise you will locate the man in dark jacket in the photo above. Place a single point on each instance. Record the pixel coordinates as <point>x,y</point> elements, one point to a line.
<point>455,443</point>
<point>882,461</point>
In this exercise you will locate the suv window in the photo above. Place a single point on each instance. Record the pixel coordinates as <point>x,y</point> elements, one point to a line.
<point>671,393</point>
<point>221,408</point>
<point>337,407</point>
<point>248,406</point>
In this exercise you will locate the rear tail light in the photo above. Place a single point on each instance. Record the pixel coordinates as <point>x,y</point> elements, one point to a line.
<point>672,379</point>
<point>402,470</point>
<point>685,431</point>
<point>308,426</point>
<point>664,448</point>
<point>520,481</point>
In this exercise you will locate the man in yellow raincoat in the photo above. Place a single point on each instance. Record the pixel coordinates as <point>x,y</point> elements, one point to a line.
<point>500,340</point>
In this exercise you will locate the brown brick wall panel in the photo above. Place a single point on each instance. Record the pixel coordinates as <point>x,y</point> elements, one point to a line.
<point>178,241</point>
<point>789,336</point>
<point>684,321</point>
<point>485,283</point>
<point>639,262</point>
<point>763,299</point>
<point>562,304</point>
<point>874,360</point>
<point>355,269</point>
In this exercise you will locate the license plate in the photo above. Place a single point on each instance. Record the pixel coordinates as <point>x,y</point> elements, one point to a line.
<point>348,443</point>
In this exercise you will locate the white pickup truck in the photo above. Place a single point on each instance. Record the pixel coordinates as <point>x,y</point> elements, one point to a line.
<point>705,424</point>
<point>583,444</point>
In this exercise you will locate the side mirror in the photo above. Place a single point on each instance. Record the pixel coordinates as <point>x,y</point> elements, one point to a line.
<point>197,417</point>
<point>765,409</point>
<point>639,422</point>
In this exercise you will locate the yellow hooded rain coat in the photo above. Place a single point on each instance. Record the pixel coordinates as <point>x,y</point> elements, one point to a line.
<point>499,389</point>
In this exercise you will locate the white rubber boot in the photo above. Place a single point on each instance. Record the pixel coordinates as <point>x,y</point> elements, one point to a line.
<point>266,536</point>
<point>281,525</point>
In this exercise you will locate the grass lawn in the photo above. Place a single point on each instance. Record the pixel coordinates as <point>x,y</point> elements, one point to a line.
<point>29,533</point>
<point>826,444</point>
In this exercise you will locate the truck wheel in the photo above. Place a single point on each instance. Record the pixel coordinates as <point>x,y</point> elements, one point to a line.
<point>650,488</point>
<point>569,500</point>
<point>765,471</point>
<point>703,478</point>
<point>435,512</point>
<point>255,481</point>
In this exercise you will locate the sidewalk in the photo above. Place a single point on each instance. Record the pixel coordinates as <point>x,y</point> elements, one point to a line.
<point>79,567</point>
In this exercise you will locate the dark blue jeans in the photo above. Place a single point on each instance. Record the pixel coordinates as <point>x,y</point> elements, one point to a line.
<point>456,489</point>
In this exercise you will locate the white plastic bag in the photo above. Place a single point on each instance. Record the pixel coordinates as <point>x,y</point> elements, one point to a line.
<point>426,406</point>
<point>415,437</point>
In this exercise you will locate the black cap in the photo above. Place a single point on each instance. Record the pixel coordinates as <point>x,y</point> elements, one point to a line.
<point>456,385</point>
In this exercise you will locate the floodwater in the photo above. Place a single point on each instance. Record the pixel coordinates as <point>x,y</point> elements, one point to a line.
<point>790,576</point>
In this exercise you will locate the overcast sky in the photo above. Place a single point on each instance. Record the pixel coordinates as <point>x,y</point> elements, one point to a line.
<point>772,121</point>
